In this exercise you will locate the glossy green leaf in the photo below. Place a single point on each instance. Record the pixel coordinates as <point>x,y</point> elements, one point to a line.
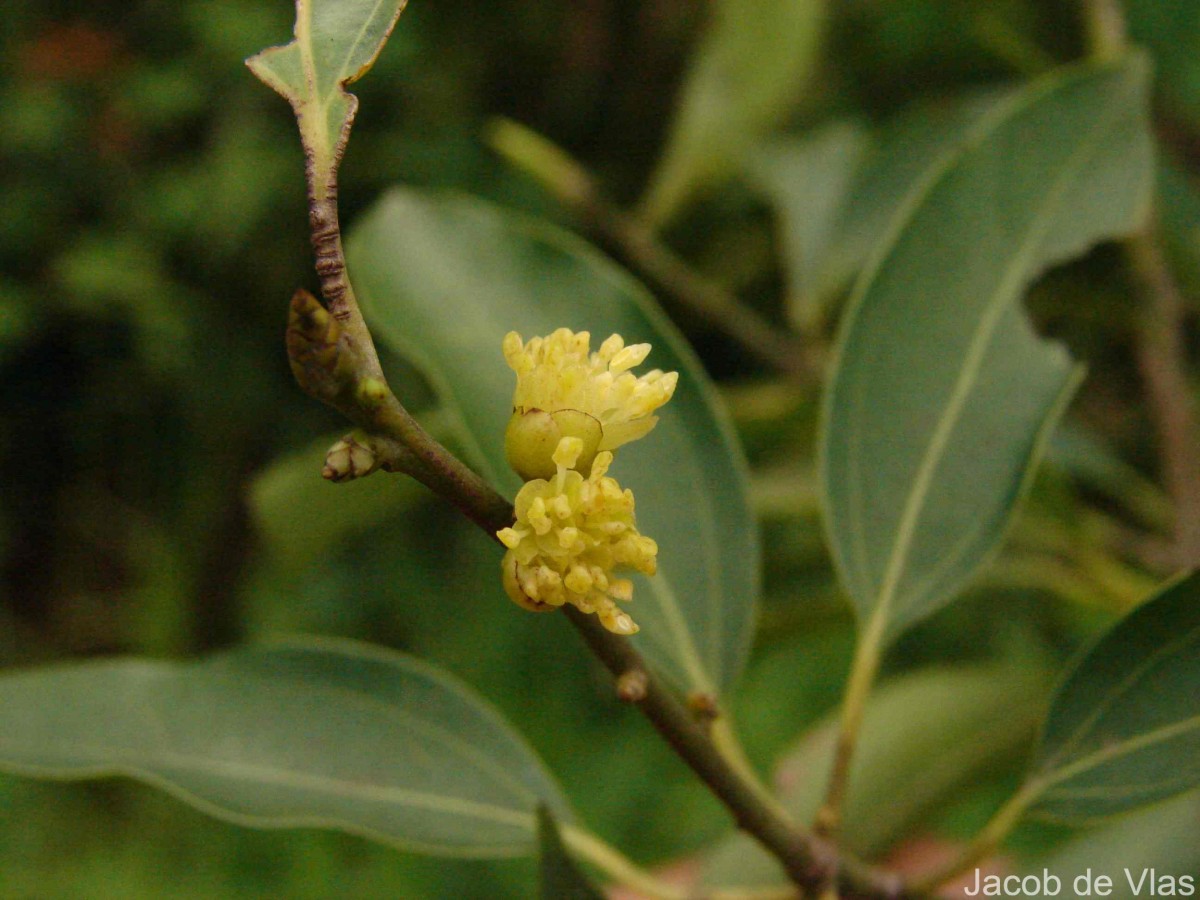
<point>1124,728</point>
<point>335,43</point>
<point>749,69</point>
<point>943,394</point>
<point>560,878</point>
<point>299,734</point>
<point>924,736</point>
<point>444,277</point>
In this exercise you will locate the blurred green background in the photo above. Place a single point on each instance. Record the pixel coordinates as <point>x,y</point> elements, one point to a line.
<point>161,469</point>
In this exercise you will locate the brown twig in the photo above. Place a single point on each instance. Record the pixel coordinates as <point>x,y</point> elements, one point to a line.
<point>641,246</point>
<point>1162,361</point>
<point>704,298</point>
<point>1158,340</point>
<point>334,359</point>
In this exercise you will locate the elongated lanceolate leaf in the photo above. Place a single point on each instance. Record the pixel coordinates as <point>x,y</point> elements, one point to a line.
<point>444,277</point>
<point>943,393</point>
<point>336,42</point>
<point>1124,728</point>
<point>809,181</point>
<point>748,71</point>
<point>316,734</point>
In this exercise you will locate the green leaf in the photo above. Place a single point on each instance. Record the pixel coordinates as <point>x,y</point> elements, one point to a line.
<point>336,42</point>
<point>943,394</point>
<point>837,190</point>
<point>560,878</point>
<point>907,148</point>
<point>750,68</point>
<point>317,733</point>
<point>924,737</point>
<point>444,277</point>
<point>809,180</point>
<point>1124,728</point>
<point>1162,838</point>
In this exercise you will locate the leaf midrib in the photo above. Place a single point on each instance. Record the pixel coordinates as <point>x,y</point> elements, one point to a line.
<point>139,766</point>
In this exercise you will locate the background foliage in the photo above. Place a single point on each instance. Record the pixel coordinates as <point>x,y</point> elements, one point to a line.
<point>156,453</point>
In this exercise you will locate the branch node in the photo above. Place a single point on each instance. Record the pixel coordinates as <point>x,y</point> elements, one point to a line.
<point>372,393</point>
<point>703,707</point>
<point>631,686</point>
<point>351,457</point>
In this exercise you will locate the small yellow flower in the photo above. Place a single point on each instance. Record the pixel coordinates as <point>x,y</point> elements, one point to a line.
<point>569,535</point>
<point>563,390</point>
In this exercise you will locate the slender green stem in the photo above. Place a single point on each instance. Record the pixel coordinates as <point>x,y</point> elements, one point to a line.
<point>724,737</point>
<point>806,859</point>
<point>1104,22</point>
<point>863,671</point>
<point>985,843</point>
<point>1008,44</point>
<point>624,871</point>
<point>617,866</point>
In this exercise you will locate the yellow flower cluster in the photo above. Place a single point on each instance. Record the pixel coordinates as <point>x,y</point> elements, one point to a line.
<point>563,390</point>
<point>571,409</point>
<point>570,532</point>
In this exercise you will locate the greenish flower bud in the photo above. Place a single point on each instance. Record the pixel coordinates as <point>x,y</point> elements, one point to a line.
<point>533,435</point>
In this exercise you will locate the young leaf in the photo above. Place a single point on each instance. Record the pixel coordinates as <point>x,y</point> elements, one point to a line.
<point>560,878</point>
<point>336,42</point>
<point>444,277</point>
<point>943,393</point>
<point>317,733</point>
<point>1124,728</point>
<point>749,69</point>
